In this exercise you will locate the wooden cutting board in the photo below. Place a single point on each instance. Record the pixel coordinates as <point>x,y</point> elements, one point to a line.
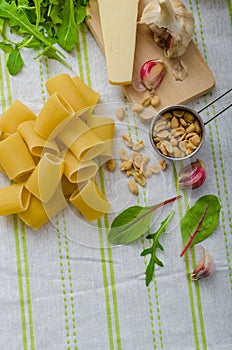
<point>199,80</point>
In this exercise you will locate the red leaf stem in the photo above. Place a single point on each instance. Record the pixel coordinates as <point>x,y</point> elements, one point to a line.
<point>195,232</point>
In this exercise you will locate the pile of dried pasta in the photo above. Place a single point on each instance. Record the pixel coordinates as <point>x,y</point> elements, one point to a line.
<point>50,158</point>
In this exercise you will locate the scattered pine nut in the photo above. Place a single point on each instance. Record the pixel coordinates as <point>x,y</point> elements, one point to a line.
<point>137,108</point>
<point>162,163</point>
<point>155,101</point>
<point>146,101</point>
<point>120,113</point>
<point>138,146</point>
<point>111,164</point>
<point>127,140</point>
<point>133,187</point>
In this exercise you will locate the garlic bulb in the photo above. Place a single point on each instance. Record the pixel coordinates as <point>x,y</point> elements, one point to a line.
<point>171,23</point>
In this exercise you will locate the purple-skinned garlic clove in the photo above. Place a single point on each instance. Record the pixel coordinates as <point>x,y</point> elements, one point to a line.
<point>192,176</point>
<point>152,73</point>
<point>138,84</point>
<point>204,268</point>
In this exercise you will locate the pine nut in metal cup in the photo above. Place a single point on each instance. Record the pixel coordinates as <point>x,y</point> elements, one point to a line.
<point>177,132</point>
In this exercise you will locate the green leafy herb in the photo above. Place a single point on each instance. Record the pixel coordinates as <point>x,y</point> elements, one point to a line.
<point>200,221</point>
<point>42,24</point>
<point>67,33</point>
<point>133,222</point>
<point>152,250</point>
<point>14,62</point>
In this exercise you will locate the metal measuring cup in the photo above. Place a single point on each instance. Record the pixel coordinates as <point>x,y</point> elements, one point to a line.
<point>197,116</point>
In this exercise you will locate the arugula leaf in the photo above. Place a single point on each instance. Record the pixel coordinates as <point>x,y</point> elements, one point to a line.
<point>80,14</point>
<point>50,53</point>
<point>37,10</point>
<point>152,250</point>
<point>67,33</point>
<point>18,18</point>
<point>44,23</point>
<point>6,47</point>
<point>133,222</point>
<point>14,61</point>
<point>200,221</point>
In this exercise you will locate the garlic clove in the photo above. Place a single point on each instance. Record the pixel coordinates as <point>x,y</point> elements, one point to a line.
<point>137,84</point>
<point>204,268</point>
<point>152,73</point>
<point>193,175</point>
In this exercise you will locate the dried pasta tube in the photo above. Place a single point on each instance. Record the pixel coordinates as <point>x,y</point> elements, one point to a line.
<point>54,115</point>
<point>36,144</point>
<point>56,204</point>
<point>15,158</point>
<point>77,171</point>
<point>68,187</point>
<point>35,216</point>
<point>88,94</point>
<point>104,128</point>
<point>64,85</point>
<point>90,201</point>
<point>81,140</point>
<point>16,114</point>
<point>38,213</point>
<point>46,177</point>
<point>14,199</point>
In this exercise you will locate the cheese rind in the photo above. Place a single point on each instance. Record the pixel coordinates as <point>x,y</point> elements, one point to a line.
<point>119,24</point>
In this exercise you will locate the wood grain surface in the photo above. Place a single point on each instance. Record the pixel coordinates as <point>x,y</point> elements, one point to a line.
<point>199,80</point>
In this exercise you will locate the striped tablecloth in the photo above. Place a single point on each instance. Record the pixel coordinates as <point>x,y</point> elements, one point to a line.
<point>69,290</point>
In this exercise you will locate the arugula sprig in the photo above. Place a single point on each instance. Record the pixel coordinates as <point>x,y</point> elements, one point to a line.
<point>153,248</point>
<point>42,24</point>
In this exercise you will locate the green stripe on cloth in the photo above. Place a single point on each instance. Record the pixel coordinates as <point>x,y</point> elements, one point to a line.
<point>100,230</point>
<point>197,290</point>
<point>20,283</point>
<point>70,285</point>
<point>65,268</point>
<point>28,289</point>
<point>225,235</point>
<point>230,10</point>
<point>155,286</point>
<point>187,268</point>
<point>66,295</point>
<point>106,287</point>
<point>18,237</point>
<point>226,196</point>
<point>220,163</point>
<point>111,267</point>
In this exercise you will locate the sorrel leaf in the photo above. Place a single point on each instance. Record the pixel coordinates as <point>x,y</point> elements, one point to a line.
<point>200,221</point>
<point>133,222</point>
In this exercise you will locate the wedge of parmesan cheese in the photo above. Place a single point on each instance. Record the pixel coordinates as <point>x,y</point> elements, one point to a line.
<point>119,24</point>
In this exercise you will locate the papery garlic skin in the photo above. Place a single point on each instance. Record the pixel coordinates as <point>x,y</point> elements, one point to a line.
<point>180,70</point>
<point>171,23</point>
<point>192,176</point>
<point>204,268</point>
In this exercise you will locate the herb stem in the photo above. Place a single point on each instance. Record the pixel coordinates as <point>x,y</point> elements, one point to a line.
<point>154,207</point>
<point>162,204</point>
<point>195,232</point>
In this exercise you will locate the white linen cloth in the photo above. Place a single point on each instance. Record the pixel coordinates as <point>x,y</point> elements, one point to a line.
<point>62,288</point>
